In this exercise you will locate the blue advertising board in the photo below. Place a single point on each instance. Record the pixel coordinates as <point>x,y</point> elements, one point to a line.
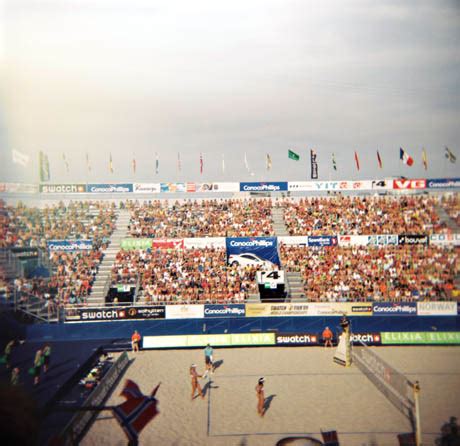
<point>322,240</point>
<point>264,187</point>
<point>233,310</point>
<point>443,183</point>
<point>109,188</point>
<point>394,308</point>
<point>69,245</point>
<point>257,251</point>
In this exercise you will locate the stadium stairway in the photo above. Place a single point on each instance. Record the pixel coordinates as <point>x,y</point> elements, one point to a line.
<point>295,288</point>
<point>99,288</point>
<point>445,218</point>
<point>279,226</point>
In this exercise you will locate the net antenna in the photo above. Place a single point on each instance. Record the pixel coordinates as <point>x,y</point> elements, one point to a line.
<point>400,391</point>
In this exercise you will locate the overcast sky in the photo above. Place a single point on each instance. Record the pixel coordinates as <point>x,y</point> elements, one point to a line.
<point>139,77</point>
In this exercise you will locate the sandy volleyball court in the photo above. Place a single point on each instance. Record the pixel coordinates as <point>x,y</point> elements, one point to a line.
<point>305,393</point>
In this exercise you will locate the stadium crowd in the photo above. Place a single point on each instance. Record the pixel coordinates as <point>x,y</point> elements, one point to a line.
<point>451,204</point>
<point>206,218</point>
<point>184,275</point>
<point>361,215</point>
<point>363,273</point>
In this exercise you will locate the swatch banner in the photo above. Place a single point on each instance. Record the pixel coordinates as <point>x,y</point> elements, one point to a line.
<point>264,187</point>
<point>115,314</point>
<point>70,245</point>
<point>62,188</point>
<point>256,251</point>
<point>109,188</point>
<point>292,339</point>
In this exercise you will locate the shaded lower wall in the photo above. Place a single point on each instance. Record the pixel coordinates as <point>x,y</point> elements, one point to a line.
<point>124,329</point>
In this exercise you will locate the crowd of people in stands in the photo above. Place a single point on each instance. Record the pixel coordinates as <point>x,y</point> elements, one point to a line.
<point>451,204</point>
<point>206,218</point>
<point>184,275</point>
<point>363,273</point>
<point>22,226</point>
<point>356,215</point>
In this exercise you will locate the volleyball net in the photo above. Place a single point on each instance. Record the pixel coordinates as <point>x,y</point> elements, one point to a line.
<point>397,388</point>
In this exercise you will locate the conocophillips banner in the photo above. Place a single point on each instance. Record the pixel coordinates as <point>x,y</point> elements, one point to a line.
<point>443,183</point>
<point>437,308</point>
<point>426,337</point>
<point>62,188</point>
<point>232,310</point>
<point>263,248</point>
<point>394,309</point>
<point>218,340</point>
<point>69,245</point>
<point>109,188</point>
<point>116,314</point>
<point>264,187</point>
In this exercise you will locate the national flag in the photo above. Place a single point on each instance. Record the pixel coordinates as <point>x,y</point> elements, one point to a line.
<point>356,160</point>
<point>313,165</point>
<point>66,163</point>
<point>246,164</point>
<point>424,159</point>
<point>137,411</point>
<point>179,165</point>
<point>379,160</point>
<point>450,156</point>
<point>201,163</point>
<point>134,164</point>
<point>44,167</point>
<point>334,164</point>
<point>269,162</point>
<point>110,163</point>
<point>223,163</point>
<point>293,156</point>
<point>20,158</point>
<point>157,163</point>
<point>88,165</point>
<point>405,157</point>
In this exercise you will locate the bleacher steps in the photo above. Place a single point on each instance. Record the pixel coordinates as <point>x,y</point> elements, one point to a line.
<point>279,227</point>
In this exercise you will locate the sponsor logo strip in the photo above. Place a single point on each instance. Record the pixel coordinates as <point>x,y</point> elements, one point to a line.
<point>394,309</point>
<point>410,338</point>
<point>116,314</point>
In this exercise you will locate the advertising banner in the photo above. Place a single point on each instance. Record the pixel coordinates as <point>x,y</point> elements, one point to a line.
<point>403,183</point>
<point>394,308</point>
<point>146,188</point>
<point>301,186</point>
<point>116,314</point>
<point>168,243</point>
<point>444,183</point>
<point>382,184</point>
<point>258,310</point>
<point>353,240</point>
<point>69,245</point>
<point>322,240</point>
<point>218,187</point>
<point>382,240</point>
<point>18,188</point>
<point>366,338</point>
<point>172,187</point>
<point>437,308</point>
<point>340,308</point>
<point>428,337</point>
<point>413,239</point>
<point>62,188</point>
<point>293,240</point>
<point>217,340</point>
<point>264,187</point>
<point>233,310</point>
<point>109,188</point>
<point>292,339</point>
<point>204,242</point>
<point>136,243</point>
<point>185,311</point>
<point>445,239</point>
<point>256,251</point>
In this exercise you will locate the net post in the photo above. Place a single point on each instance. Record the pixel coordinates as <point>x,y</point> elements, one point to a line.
<point>418,430</point>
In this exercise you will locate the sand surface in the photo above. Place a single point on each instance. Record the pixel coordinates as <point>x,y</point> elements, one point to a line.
<point>306,392</point>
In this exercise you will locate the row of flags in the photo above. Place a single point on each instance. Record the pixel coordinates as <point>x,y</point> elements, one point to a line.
<point>44,167</point>
<point>403,156</point>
